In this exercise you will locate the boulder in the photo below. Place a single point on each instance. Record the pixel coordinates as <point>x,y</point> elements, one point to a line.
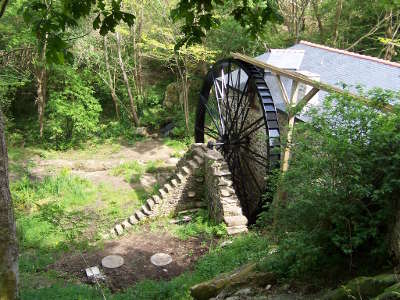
<point>246,275</point>
<point>142,131</point>
<point>364,287</point>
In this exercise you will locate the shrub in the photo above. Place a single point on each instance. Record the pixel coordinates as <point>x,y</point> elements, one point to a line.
<point>342,187</point>
<point>73,112</point>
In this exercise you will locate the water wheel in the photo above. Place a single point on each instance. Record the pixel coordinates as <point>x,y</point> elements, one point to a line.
<point>237,116</point>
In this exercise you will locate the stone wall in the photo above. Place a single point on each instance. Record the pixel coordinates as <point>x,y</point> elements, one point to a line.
<point>202,179</point>
<point>223,203</point>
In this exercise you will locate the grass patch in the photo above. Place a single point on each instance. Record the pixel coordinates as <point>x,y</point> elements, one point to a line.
<point>133,171</point>
<point>200,225</point>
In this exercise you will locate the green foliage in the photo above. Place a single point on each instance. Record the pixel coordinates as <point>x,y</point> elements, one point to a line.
<point>131,171</point>
<point>73,112</point>
<point>200,225</point>
<point>200,16</point>
<point>342,188</point>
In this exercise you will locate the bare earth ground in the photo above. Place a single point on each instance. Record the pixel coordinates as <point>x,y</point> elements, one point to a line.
<point>96,165</point>
<point>137,246</point>
<point>136,249</point>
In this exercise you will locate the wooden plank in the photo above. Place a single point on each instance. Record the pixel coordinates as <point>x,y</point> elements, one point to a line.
<point>304,79</point>
<point>283,90</point>
<point>303,102</point>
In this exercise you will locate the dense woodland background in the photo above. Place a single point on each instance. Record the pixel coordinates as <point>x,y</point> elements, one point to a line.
<point>106,85</point>
<point>75,87</point>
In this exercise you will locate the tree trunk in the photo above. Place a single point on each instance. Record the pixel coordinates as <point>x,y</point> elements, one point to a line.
<point>137,50</point>
<point>8,239</point>
<point>41,79</point>
<point>319,20</point>
<point>126,80</point>
<point>111,83</point>
<point>339,7</point>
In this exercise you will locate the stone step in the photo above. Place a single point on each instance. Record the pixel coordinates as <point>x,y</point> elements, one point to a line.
<point>133,220</point>
<point>186,170</point>
<point>139,215</point>
<point>193,165</point>
<point>145,211</point>
<point>174,182</point>
<point>156,199</point>
<point>232,221</point>
<point>119,229</point>
<point>163,193</point>
<point>126,224</point>
<point>168,187</point>
<point>150,203</point>
<point>180,177</point>
<point>198,159</point>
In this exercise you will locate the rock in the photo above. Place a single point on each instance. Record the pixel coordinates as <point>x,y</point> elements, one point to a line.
<point>94,274</point>
<point>132,219</point>
<point>236,229</point>
<point>142,131</point>
<point>167,129</point>
<point>225,193</point>
<point>126,224</point>
<point>112,261</point>
<point>243,292</point>
<point>139,215</point>
<point>245,275</point>
<point>226,243</point>
<point>363,287</point>
<point>235,220</point>
<point>191,194</point>
<point>119,229</point>
<point>161,259</point>
<point>172,161</point>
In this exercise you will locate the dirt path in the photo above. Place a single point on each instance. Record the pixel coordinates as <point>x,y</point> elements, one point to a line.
<point>136,249</point>
<point>97,165</point>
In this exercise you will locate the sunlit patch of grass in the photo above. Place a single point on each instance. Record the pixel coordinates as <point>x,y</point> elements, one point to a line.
<point>131,171</point>
<point>177,145</point>
<point>153,166</point>
<point>200,225</point>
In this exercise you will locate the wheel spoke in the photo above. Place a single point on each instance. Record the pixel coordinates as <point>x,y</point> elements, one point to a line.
<point>256,122</point>
<point>242,138</point>
<point>252,175</point>
<point>257,156</point>
<point>208,109</point>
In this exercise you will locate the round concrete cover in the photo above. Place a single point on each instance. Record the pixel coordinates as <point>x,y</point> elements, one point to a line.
<point>112,261</point>
<point>161,259</point>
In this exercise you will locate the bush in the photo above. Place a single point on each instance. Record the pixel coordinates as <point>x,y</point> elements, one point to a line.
<point>342,187</point>
<point>73,112</point>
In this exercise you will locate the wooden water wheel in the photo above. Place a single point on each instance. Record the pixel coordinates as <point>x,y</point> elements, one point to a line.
<point>237,116</point>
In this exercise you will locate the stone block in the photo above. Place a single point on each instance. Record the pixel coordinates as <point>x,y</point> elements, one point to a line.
<point>139,215</point>
<point>168,187</point>
<point>145,211</point>
<point>174,182</point>
<point>225,192</point>
<point>133,220</point>
<point>198,160</point>
<point>156,199</point>
<point>232,210</point>
<point>126,224</point>
<point>236,230</point>
<point>186,170</point>
<point>235,220</point>
<point>193,165</point>
<point>163,193</point>
<point>191,194</point>
<point>118,229</point>
<point>150,203</point>
<point>224,182</point>
<point>180,177</point>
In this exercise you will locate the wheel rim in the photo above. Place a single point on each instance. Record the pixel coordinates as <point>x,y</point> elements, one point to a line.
<point>237,116</point>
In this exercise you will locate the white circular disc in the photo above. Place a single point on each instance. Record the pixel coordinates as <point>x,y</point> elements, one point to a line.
<point>161,259</point>
<point>112,261</point>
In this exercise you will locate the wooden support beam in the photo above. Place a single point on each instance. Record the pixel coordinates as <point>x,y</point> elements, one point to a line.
<point>303,102</point>
<point>304,79</point>
<point>283,90</point>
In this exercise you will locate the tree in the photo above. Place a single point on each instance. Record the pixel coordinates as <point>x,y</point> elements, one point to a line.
<point>49,25</point>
